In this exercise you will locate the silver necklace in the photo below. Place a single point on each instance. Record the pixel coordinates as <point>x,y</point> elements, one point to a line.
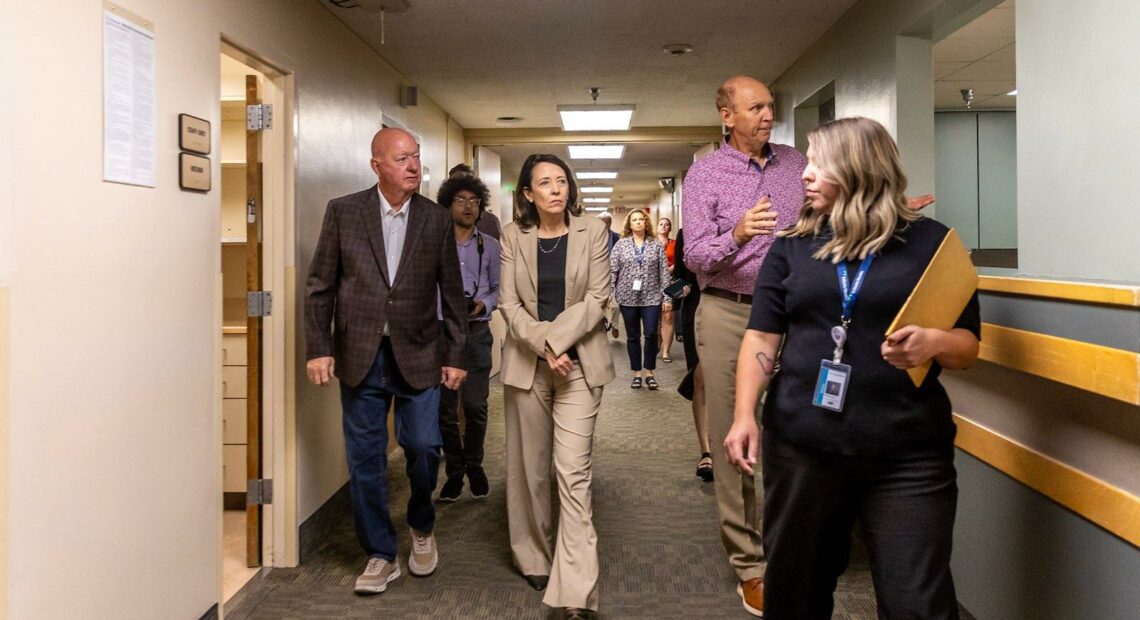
<point>557,240</point>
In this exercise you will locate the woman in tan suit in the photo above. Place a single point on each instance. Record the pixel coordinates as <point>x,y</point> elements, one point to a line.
<point>554,289</point>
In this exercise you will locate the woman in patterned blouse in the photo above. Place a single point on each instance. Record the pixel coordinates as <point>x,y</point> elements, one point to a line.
<point>638,274</point>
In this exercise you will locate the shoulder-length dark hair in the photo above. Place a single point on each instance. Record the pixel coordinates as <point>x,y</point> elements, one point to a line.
<point>526,213</point>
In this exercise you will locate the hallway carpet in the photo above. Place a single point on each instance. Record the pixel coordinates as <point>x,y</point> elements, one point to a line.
<point>660,550</point>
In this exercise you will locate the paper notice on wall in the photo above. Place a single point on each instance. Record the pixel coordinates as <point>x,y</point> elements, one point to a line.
<point>128,102</point>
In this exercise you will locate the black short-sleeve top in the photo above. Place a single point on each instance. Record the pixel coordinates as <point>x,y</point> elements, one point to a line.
<point>884,415</point>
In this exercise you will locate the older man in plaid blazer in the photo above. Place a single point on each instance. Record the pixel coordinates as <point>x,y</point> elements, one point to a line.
<point>384,257</point>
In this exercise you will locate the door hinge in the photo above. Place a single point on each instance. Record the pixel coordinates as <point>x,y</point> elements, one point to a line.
<point>259,492</point>
<point>258,117</point>
<point>259,303</point>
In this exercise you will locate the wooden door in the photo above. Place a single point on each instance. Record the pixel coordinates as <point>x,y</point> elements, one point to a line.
<point>254,211</point>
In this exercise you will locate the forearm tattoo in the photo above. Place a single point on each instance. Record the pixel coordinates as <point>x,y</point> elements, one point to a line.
<point>767,364</point>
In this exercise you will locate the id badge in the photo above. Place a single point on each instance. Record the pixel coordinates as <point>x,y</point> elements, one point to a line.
<point>831,387</point>
<point>637,285</point>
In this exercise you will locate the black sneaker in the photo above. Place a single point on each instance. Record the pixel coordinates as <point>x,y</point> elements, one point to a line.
<point>479,485</point>
<point>451,490</point>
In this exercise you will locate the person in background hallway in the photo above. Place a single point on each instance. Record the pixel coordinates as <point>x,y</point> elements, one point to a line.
<point>664,227</point>
<point>384,260</point>
<point>614,313</point>
<point>556,360</point>
<point>733,200</point>
<point>882,453</point>
<point>613,236</point>
<point>467,197</point>
<point>696,382</point>
<point>488,223</point>
<point>640,274</point>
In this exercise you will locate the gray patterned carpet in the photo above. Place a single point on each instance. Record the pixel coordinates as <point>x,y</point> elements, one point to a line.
<point>660,550</point>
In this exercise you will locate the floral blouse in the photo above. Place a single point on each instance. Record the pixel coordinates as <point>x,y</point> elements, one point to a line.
<point>646,266</point>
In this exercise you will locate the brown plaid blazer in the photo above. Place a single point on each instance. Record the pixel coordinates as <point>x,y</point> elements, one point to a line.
<point>350,291</point>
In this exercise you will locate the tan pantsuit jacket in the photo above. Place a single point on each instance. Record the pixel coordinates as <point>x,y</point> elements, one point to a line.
<point>579,325</point>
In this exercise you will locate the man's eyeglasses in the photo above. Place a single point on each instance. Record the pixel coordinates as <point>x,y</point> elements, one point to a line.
<point>463,202</point>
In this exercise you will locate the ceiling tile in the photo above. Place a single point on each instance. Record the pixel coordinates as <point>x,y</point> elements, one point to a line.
<point>996,23</point>
<point>944,69</point>
<point>481,60</point>
<point>984,71</point>
<point>968,50</point>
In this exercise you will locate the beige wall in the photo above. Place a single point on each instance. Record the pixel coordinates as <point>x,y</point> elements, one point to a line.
<point>114,480</point>
<point>879,73</point>
<point>339,105</point>
<point>1078,139</point>
<point>457,152</point>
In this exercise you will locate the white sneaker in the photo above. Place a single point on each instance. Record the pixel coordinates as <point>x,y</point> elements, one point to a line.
<point>424,556</point>
<point>377,575</point>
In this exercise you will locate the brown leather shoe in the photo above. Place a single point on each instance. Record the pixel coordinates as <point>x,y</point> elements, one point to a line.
<point>752,594</point>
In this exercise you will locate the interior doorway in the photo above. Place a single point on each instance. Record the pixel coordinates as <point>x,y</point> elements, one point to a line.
<point>255,315</point>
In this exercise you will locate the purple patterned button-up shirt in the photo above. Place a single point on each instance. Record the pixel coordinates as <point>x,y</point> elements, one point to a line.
<point>718,190</point>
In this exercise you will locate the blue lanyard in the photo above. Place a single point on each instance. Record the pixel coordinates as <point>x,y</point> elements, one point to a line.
<point>851,291</point>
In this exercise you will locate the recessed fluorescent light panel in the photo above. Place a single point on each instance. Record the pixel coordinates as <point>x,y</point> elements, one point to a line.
<point>598,200</point>
<point>596,151</point>
<point>597,209</point>
<point>596,117</point>
<point>597,189</point>
<point>597,174</point>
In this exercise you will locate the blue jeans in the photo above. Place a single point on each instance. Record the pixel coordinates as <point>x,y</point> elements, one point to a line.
<point>635,317</point>
<point>366,445</point>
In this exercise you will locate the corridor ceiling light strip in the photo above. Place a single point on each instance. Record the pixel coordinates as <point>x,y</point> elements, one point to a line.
<point>598,200</point>
<point>1012,93</point>
<point>596,151</point>
<point>598,189</point>
<point>596,117</point>
<point>597,209</point>
<point>591,174</point>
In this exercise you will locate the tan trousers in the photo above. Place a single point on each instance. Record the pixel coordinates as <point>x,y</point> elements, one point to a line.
<point>554,420</point>
<point>720,327</point>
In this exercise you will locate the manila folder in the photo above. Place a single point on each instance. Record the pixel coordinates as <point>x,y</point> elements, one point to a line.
<point>940,295</point>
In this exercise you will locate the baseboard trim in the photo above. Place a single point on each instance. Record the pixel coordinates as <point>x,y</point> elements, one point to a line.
<point>316,528</point>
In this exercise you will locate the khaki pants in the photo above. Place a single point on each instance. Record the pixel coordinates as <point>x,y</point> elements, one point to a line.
<point>720,327</point>
<point>554,420</point>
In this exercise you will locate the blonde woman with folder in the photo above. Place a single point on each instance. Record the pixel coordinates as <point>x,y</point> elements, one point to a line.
<point>847,434</point>
<point>555,284</point>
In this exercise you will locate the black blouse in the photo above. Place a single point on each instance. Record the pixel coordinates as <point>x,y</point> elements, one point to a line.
<point>552,280</point>
<point>885,415</point>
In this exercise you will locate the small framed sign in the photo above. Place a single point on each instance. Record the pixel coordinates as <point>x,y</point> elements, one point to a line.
<point>193,134</point>
<point>194,172</point>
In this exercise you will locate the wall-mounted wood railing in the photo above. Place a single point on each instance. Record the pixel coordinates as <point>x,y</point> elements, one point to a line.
<point>1114,373</point>
<point>1112,508</point>
<point>1107,294</point>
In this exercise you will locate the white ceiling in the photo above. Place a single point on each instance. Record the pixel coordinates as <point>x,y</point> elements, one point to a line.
<point>483,60</point>
<point>978,56</point>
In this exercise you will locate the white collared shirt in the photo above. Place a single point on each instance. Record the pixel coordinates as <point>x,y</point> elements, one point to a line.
<point>395,227</point>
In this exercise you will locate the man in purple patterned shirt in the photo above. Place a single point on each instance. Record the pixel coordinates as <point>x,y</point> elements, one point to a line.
<point>732,202</point>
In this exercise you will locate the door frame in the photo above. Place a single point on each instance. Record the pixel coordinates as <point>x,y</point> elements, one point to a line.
<point>279,527</point>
